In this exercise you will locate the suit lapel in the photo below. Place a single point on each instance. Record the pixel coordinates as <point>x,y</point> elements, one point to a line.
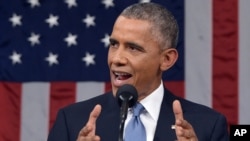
<point>166,119</point>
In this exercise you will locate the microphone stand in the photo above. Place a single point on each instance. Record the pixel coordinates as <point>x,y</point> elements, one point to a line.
<point>123,116</point>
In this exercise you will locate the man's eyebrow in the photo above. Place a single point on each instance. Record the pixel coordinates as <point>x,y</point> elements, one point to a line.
<point>130,44</point>
<point>112,40</point>
<point>137,46</point>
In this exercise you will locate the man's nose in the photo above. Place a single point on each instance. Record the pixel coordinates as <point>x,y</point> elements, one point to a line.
<point>119,57</point>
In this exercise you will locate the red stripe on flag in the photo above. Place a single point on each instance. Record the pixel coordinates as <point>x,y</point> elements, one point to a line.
<point>177,87</point>
<point>108,87</point>
<point>61,94</point>
<point>10,106</point>
<point>225,58</point>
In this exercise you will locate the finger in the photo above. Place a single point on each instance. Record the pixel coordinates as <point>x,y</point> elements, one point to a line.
<point>184,130</point>
<point>185,133</point>
<point>94,115</point>
<point>178,119</point>
<point>177,110</point>
<point>184,124</point>
<point>89,128</point>
<point>89,138</point>
<point>188,133</point>
<point>85,131</point>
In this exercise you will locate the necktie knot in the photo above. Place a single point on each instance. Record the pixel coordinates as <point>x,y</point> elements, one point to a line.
<point>137,109</point>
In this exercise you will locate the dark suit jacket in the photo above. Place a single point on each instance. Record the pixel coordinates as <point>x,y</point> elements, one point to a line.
<point>208,124</point>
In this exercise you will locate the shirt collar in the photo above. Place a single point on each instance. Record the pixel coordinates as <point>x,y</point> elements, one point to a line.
<point>152,103</point>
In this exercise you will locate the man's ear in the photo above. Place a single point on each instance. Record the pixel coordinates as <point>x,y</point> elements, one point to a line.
<point>168,58</point>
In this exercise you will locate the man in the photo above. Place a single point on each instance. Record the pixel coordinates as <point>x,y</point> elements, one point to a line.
<point>142,47</point>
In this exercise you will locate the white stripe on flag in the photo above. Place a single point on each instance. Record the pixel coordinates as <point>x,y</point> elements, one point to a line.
<point>86,90</point>
<point>35,111</point>
<point>244,65</point>
<point>198,51</point>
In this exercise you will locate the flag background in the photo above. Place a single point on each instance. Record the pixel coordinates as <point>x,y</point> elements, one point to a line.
<point>212,69</point>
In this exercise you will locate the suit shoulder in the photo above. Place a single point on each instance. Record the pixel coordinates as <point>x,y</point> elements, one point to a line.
<point>190,107</point>
<point>196,107</point>
<point>89,104</point>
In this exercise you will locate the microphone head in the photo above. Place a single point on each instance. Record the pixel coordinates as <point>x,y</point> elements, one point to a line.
<point>127,93</point>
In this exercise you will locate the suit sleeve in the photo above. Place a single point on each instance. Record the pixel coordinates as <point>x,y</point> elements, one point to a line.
<point>220,132</point>
<point>59,131</point>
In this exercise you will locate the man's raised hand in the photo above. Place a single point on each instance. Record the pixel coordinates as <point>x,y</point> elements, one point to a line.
<point>87,133</point>
<point>183,129</point>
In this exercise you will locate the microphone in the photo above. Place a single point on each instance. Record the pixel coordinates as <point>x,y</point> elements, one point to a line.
<point>127,97</point>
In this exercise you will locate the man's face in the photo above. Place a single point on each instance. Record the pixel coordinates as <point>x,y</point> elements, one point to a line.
<point>134,57</point>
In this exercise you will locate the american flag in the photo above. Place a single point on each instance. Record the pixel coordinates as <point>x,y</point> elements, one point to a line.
<point>53,53</point>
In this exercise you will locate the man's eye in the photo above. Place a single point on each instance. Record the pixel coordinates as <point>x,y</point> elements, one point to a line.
<point>135,48</point>
<point>132,48</point>
<point>112,44</point>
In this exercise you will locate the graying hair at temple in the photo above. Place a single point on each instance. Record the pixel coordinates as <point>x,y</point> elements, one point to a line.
<point>164,25</point>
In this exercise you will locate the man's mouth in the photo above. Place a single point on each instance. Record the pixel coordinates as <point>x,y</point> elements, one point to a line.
<point>122,75</point>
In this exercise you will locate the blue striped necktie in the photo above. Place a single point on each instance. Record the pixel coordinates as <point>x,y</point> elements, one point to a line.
<point>135,130</point>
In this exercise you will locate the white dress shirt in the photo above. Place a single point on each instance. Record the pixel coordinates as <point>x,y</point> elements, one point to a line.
<point>149,117</point>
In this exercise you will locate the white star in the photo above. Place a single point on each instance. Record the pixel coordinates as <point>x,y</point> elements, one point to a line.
<point>16,20</point>
<point>108,3</point>
<point>105,40</point>
<point>71,3</point>
<point>89,20</point>
<point>52,20</point>
<point>52,59</point>
<point>16,58</point>
<point>144,1</point>
<point>71,39</point>
<point>89,59</point>
<point>34,39</point>
<point>33,3</point>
